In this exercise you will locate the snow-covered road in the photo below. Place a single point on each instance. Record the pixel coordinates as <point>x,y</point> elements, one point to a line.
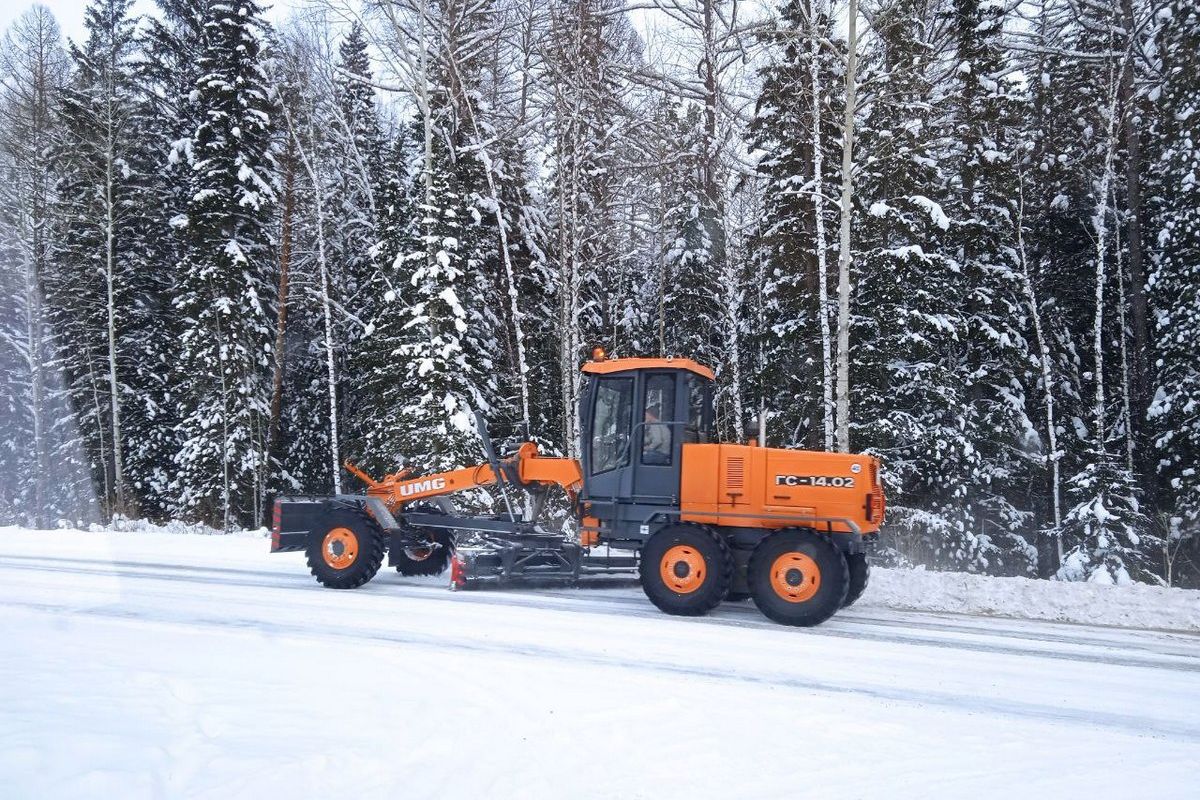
<point>155,665</point>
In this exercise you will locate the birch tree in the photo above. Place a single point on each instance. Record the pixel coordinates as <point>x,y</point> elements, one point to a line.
<point>32,70</point>
<point>846,212</point>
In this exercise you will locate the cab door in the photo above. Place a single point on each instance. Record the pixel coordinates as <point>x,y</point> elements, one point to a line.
<point>653,477</point>
<point>609,427</point>
<point>634,428</point>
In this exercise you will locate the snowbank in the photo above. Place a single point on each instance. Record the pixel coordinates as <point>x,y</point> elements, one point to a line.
<point>143,526</point>
<point>1133,606</point>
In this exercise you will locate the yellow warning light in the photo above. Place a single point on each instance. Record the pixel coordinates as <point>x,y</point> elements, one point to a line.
<point>598,354</point>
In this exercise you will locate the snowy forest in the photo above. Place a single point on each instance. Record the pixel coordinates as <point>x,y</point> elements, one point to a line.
<point>962,235</point>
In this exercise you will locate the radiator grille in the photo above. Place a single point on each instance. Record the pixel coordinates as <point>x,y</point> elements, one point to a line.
<point>735,473</point>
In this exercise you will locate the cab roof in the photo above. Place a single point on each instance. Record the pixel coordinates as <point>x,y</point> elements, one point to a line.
<point>609,365</point>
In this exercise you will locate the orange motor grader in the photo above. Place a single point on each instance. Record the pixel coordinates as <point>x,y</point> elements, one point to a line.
<point>701,522</point>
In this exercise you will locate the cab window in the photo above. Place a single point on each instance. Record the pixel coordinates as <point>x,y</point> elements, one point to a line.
<point>611,424</point>
<point>659,410</point>
<point>699,399</point>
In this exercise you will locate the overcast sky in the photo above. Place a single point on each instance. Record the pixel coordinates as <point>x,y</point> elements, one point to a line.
<point>69,13</point>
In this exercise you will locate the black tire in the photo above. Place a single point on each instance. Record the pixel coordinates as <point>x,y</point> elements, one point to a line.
<point>415,561</point>
<point>363,550</point>
<point>715,569</point>
<point>739,589</point>
<point>817,565</point>
<point>860,574</point>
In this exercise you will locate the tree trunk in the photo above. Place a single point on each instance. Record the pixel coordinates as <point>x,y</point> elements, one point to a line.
<point>285,264</point>
<point>843,330</point>
<point>1122,328</point>
<point>110,307</point>
<point>818,195</point>
<point>35,331</point>
<point>330,347</point>
<point>1048,401</point>
<point>1100,229</point>
<point>1142,357</point>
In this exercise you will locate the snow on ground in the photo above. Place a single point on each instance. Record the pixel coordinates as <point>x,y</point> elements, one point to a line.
<point>163,665</point>
<point>1136,606</point>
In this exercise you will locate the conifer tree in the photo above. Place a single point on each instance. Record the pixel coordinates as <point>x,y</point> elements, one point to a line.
<point>695,257</point>
<point>911,327</point>
<point>96,297</point>
<point>379,391</point>
<point>1174,281</point>
<point>225,293</point>
<point>994,360</point>
<point>785,346</point>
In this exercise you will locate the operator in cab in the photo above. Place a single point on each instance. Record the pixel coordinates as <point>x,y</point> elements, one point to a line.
<point>656,443</point>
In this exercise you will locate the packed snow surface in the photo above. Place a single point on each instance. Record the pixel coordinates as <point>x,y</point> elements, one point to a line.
<point>170,665</point>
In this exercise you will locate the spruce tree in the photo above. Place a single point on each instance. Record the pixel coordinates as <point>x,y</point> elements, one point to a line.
<point>1174,281</point>
<point>379,392</point>
<point>172,43</point>
<point>784,346</point>
<point>695,257</point>
<point>446,377</point>
<point>357,154</point>
<point>994,360</point>
<point>98,296</point>
<point>911,325</point>
<point>225,292</point>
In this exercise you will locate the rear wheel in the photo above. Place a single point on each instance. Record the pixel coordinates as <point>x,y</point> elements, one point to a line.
<point>347,551</point>
<point>860,573</point>
<point>686,569</point>
<point>798,577</point>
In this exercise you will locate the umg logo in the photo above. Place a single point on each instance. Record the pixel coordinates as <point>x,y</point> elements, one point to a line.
<point>420,487</point>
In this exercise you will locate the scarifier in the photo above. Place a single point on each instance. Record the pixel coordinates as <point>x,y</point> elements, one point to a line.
<point>700,522</point>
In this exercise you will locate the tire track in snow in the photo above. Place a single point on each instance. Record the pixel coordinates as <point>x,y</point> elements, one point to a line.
<point>526,596</point>
<point>730,615</point>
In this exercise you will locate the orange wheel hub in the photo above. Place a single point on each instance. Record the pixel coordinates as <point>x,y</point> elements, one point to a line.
<point>795,577</point>
<point>340,548</point>
<point>683,569</point>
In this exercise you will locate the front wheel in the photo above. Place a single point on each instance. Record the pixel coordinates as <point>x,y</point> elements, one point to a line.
<point>798,577</point>
<point>686,569</point>
<point>346,551</point>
